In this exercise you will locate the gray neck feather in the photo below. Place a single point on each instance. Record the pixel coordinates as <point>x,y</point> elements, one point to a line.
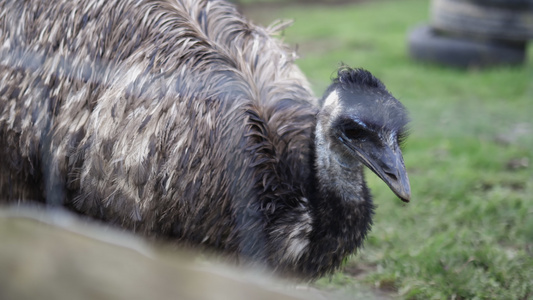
<point>337,171</point>
<point>333,175</point>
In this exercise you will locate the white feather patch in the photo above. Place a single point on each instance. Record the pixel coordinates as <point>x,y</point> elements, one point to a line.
<point>332,99</point>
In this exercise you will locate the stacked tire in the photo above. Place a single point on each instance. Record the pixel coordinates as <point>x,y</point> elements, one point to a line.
<point>474,33</point>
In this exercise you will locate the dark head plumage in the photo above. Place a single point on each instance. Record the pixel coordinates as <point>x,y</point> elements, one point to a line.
<point>366,123</point>
<point>369,99</point>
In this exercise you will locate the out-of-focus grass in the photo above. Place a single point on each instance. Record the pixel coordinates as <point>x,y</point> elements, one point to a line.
<point>468,232</point>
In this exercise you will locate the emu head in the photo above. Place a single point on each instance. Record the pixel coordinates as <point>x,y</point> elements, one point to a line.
<point>361,123</point>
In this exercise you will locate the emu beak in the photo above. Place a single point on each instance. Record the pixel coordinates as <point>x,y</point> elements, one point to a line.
<point>388,164</point>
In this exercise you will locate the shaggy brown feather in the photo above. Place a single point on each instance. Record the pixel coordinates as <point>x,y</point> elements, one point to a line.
<point>172,118</point>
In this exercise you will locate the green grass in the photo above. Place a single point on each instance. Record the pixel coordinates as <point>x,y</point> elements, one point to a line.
<point>468,232</point>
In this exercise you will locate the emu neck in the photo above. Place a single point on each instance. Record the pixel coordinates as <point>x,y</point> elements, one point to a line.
<point>342,209</point>
<point>336,174</point>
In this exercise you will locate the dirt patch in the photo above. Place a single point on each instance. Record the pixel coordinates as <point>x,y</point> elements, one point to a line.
<point>359,270</point>
<point>512,135</point>
<point>517,163</point>
<point>385,289</point>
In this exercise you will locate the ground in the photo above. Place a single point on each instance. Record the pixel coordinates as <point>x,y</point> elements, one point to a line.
<point>468,231</point>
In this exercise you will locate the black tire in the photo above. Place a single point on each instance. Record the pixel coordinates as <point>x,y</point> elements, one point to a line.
<point>513,4</point>
<point>427,45</point>
<point>477,20</point>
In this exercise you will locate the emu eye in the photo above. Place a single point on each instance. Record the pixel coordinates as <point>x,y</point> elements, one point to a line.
<point>354,134</point>
<point>353,130</point>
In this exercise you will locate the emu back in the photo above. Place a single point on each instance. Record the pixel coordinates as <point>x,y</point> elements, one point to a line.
<point>153,115</point>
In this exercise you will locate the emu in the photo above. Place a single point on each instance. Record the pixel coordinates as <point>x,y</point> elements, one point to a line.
<point>180,119</point>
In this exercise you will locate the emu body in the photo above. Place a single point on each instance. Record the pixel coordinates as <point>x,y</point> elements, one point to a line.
<point>182,120</point>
